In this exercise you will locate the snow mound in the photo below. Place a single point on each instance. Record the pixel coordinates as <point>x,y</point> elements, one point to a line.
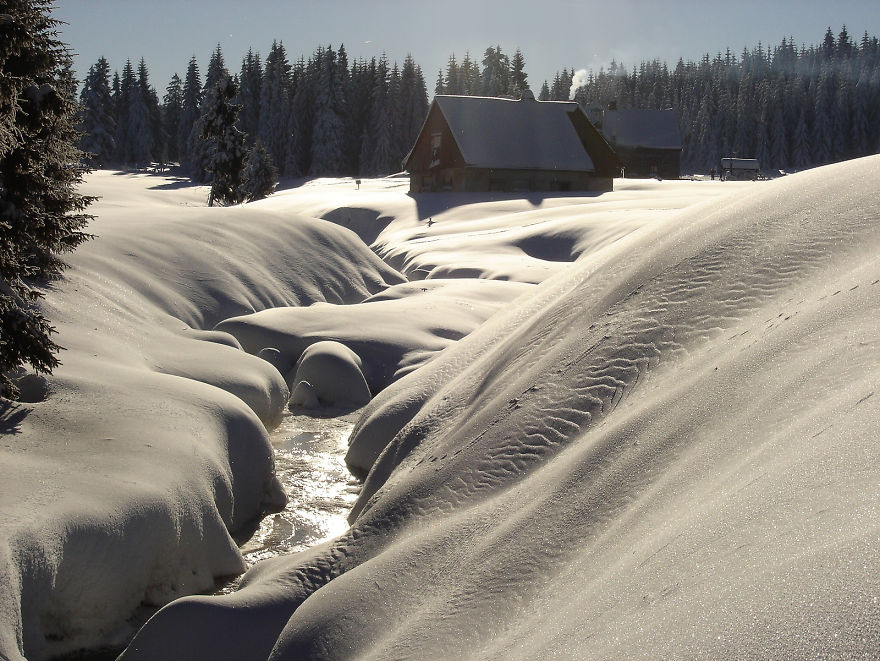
<point>668,449</point>
<point>125,473</point>
<point>333,373</point>
<point>393,332</point>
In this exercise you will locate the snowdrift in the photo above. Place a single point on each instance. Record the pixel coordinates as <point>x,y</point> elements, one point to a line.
<point>127,471</point>
<point>668,449</point>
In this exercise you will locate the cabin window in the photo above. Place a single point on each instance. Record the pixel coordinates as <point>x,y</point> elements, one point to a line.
<point>435,147</point>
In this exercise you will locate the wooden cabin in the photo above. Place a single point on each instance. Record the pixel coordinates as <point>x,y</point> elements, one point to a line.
<point>740,169</point>
<point>648,142</point>
<point>471,143</point>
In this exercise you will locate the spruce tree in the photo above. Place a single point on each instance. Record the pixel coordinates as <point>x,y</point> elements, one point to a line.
<point>377,146</point>
<point>217,126</point>
<point>97,124</point>
<point>192,99</point>
<point>518,80</point>
<point>259,177</point>
<point>172,111</point>
<point>544,94</point>
<point>41,213</point>
<point>202,149</point>
<point>250,88</point>
<point>327,130</point>
<point>300,119</point>
<point>150,98</point>
<point>274,131</point>
<point>123,100</point>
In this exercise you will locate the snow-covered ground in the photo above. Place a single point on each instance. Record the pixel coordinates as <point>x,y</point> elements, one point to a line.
<point>642,423</point>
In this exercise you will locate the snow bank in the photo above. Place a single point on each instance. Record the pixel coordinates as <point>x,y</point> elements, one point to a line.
<point>391,333</point>
<point>125,474</point>
<point>668,449</point>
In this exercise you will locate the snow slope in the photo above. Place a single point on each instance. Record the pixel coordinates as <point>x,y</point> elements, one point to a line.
<point>667,449</point>
<point>123,477</point>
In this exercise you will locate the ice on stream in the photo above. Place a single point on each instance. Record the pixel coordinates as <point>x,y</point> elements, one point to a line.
<point>309,462</point>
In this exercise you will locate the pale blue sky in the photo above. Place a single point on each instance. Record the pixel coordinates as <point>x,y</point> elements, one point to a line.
<point>552,34</point>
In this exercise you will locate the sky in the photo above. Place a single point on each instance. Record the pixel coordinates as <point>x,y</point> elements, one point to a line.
<point>552,34</point>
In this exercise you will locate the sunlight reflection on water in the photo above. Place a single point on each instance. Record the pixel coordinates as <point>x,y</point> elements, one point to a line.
<point>309,461</point>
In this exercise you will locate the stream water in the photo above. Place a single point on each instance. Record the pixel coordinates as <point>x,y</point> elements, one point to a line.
<point>309,462</point>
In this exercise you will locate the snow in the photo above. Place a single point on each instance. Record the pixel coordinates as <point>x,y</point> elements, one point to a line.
<point>641,423</point>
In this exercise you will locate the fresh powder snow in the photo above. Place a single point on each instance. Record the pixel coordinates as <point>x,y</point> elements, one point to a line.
<point>641,423</point>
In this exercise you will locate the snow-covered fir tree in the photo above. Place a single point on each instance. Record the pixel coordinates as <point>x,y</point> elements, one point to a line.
<point>250,81</point>
<point>123,99</point>
<point>327,129</point>
<point>41,212</point>
<point>300,119</point>
<point>202,150</point>
<point>496,72</point>
<point>217,127</point>
<point>274,131</point>
<point>172,112</point>
<point>259,177</point>
<point>518,76</point>
<point>377,148</point>
<point>98,124</point>
<point>192,99</point>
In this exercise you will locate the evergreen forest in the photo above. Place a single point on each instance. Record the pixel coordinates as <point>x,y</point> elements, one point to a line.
<point>791,107</point>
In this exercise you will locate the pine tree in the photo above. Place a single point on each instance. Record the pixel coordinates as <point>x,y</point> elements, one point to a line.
<point>192,99</point>
<point>250,91</point>
<point>98,124</point>
<point>544,94</point>
<point>357,114</point>
<point>454,80</point>
<point>217,126</point>
<point>440,85</point>
<point>376,150</point>
<point>412,106</point>
<point>259,177</point>
<point>41,212</point>
<point>327,130</point>
<point>172,111</point>
<point>496,72</point>
<point>152,136</point>
<point>123,101</point>
<point>300,119</point>
<point>274,104</point>
<point>518,77</point>
<point>202,149</point>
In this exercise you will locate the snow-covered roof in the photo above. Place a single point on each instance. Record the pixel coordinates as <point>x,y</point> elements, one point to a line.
<point>654,129</point>
<point>508,134</point>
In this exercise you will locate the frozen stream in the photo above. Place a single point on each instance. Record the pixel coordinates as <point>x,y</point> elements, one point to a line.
<point>309,461</point>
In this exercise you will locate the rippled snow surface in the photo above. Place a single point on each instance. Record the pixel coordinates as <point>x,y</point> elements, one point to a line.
<point>309,461</point>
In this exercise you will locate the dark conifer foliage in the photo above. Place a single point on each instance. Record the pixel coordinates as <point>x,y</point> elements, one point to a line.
<point>260,176</point>
<point>791,107</point>
<point>217,127</point>
<point>172,113</point>
<point>192,99</point>
<point>97,121</point>
<point>41,214</point>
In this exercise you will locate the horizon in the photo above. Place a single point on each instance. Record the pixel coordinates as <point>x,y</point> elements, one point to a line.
<point>628,33</point>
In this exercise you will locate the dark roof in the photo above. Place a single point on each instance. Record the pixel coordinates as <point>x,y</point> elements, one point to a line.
<point>507,134</point>
<point>654,129</point>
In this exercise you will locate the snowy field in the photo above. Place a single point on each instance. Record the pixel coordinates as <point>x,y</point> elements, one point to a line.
<point>637,424</point>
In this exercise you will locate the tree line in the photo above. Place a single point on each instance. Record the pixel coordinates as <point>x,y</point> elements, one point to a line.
<point>789,107</point>
<point>314,117</point>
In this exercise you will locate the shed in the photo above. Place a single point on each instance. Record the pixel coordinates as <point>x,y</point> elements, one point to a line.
<point>471,143</point>
<point>740,168</point>
<point>648,142</point>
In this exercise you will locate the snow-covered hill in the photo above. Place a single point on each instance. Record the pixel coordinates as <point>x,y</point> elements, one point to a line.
<point>660,442</point>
